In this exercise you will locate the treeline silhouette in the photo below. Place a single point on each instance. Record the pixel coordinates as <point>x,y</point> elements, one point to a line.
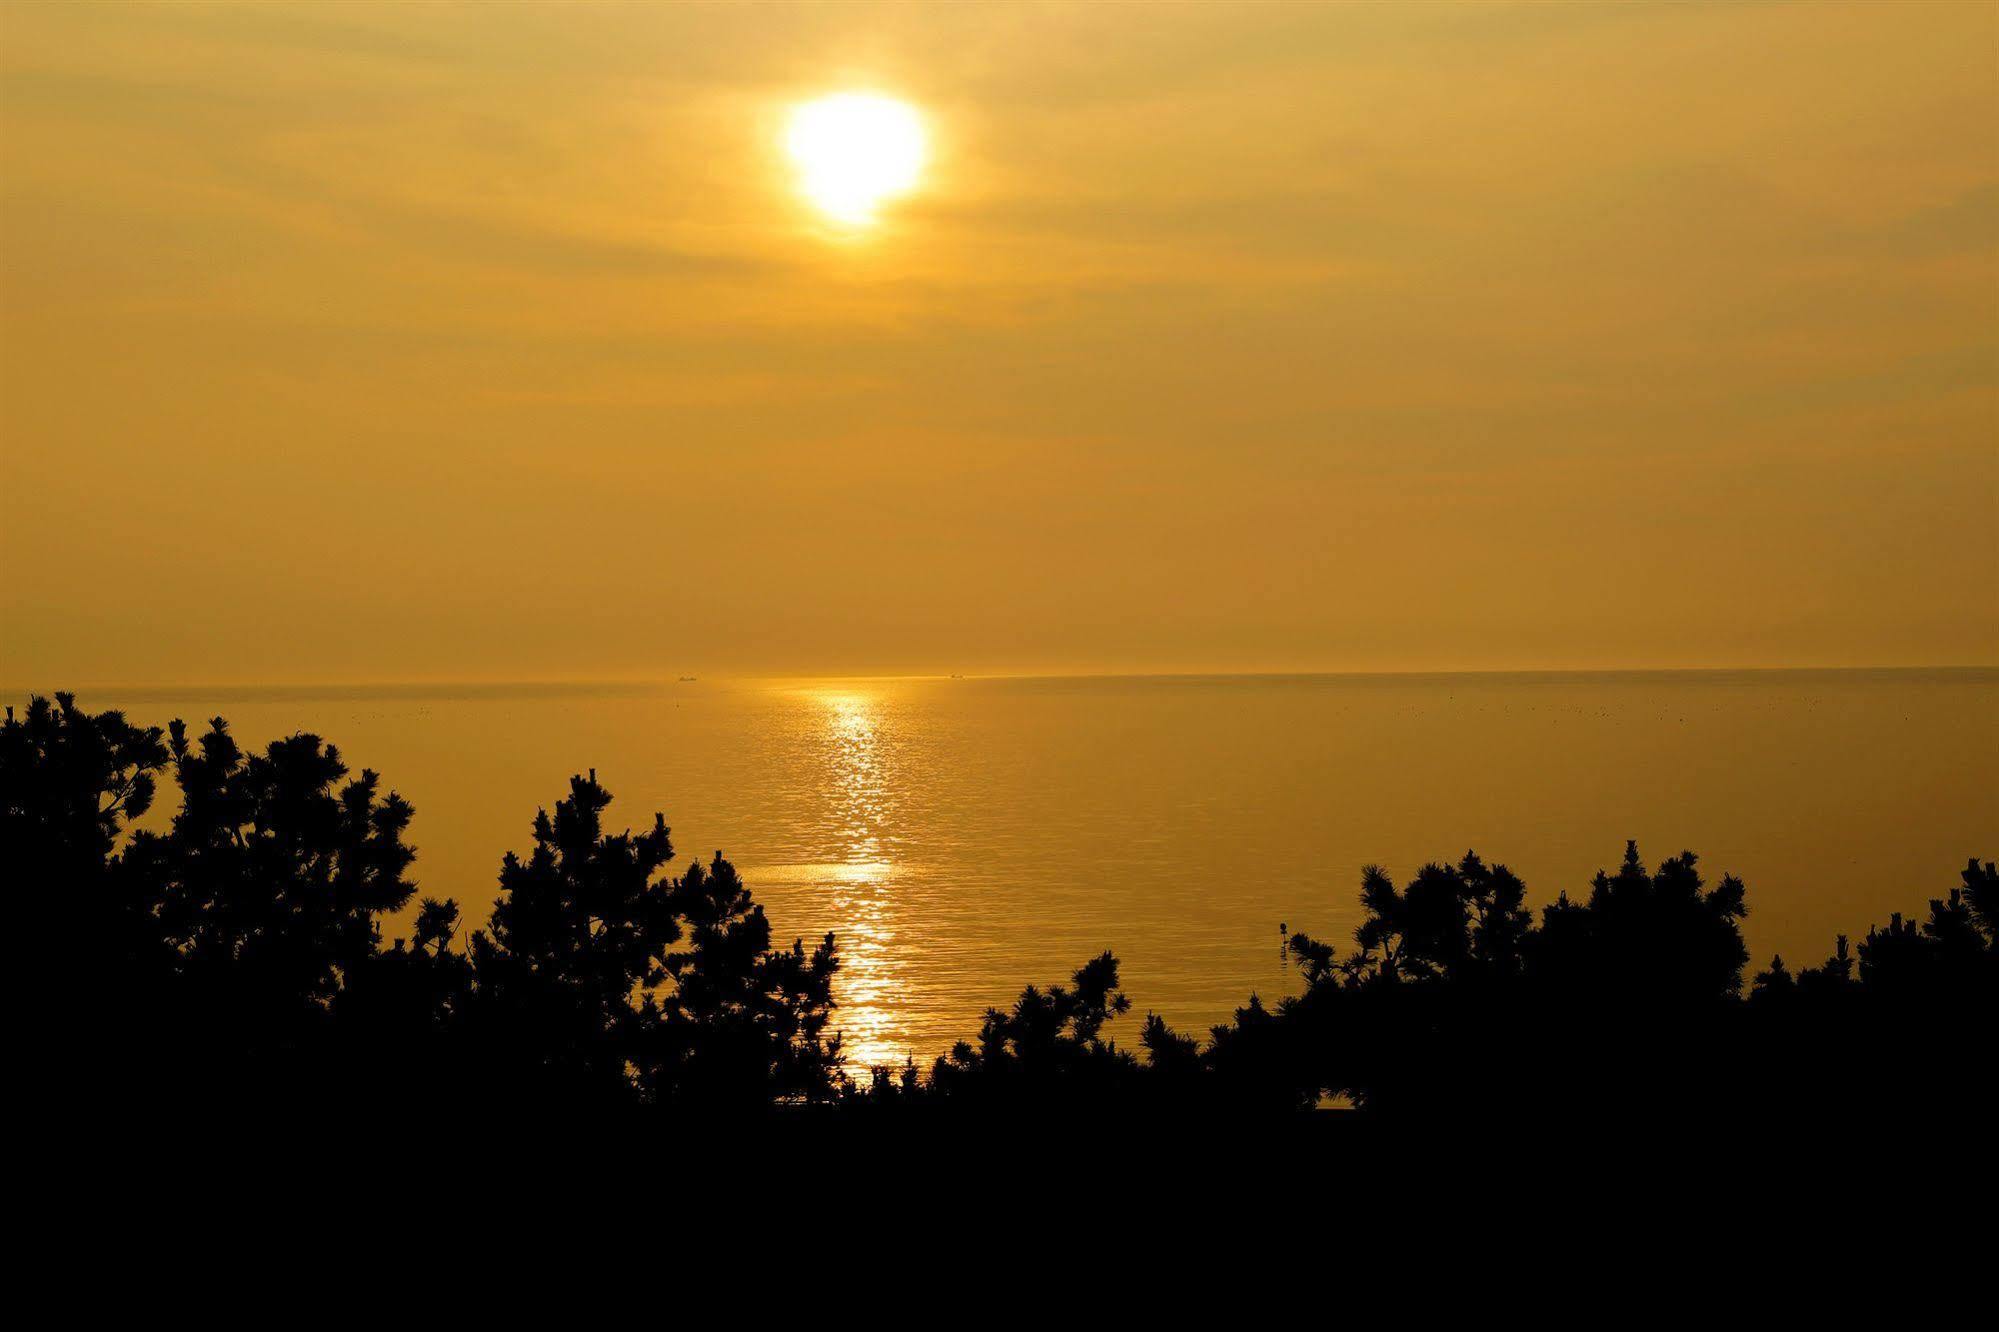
<point>237,959</point>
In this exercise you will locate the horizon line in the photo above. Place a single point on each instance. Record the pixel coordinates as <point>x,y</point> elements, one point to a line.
<point>560,684</point>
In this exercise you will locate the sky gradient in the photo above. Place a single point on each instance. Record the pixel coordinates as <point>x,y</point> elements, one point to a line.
<point>349,343</point>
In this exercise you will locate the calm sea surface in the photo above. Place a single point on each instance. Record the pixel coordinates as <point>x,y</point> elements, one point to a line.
<point>966,837</point>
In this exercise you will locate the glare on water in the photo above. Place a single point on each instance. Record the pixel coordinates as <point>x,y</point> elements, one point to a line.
<point>861,886</point>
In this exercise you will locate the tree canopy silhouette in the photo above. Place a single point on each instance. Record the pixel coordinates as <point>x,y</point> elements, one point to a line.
<point>239,953</point>
<point>581,983</point>
<point>1051,1041</point>
<point>236,956</point>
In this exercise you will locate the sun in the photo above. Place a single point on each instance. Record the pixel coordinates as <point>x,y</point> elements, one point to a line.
<point>855,151</point>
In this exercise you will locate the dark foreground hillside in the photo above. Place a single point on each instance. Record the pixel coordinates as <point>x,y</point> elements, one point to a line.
<point>238,958</point>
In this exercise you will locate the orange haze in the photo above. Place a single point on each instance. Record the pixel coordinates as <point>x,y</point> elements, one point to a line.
<point>348,341</point>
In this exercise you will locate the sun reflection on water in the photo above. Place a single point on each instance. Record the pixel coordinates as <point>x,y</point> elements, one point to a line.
<point>860,771</point>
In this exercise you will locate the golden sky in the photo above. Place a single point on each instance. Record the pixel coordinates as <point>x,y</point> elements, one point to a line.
<point>349,342</point>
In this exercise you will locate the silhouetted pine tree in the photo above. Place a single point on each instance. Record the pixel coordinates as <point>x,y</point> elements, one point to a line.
<point>580,992</point>
<point>71,782</point>
<point>1050,1045</point>
<point>272,883</point>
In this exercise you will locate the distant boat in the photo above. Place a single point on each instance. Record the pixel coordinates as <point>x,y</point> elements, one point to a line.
<point>687,679</point>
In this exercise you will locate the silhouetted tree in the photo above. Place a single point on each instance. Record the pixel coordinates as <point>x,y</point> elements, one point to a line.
<point>400,1018</point>
<point>1647,938</point>
<point>1050,1045</point>
<point>579,991</point>
<point>272,883</point>
<point>71,782</point>
<point>1451,922</point>
<point>225,945</point>
<point>1907,1021</point>
<point>745,1022</point>
<point>1455,999</point>
<point>567,971</point>
<point>1265,1060</point>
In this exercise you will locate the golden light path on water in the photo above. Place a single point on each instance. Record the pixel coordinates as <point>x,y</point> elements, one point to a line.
<point>861,883</point>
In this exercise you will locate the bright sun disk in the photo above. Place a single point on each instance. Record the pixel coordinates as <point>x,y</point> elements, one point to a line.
<point>854,151</point>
